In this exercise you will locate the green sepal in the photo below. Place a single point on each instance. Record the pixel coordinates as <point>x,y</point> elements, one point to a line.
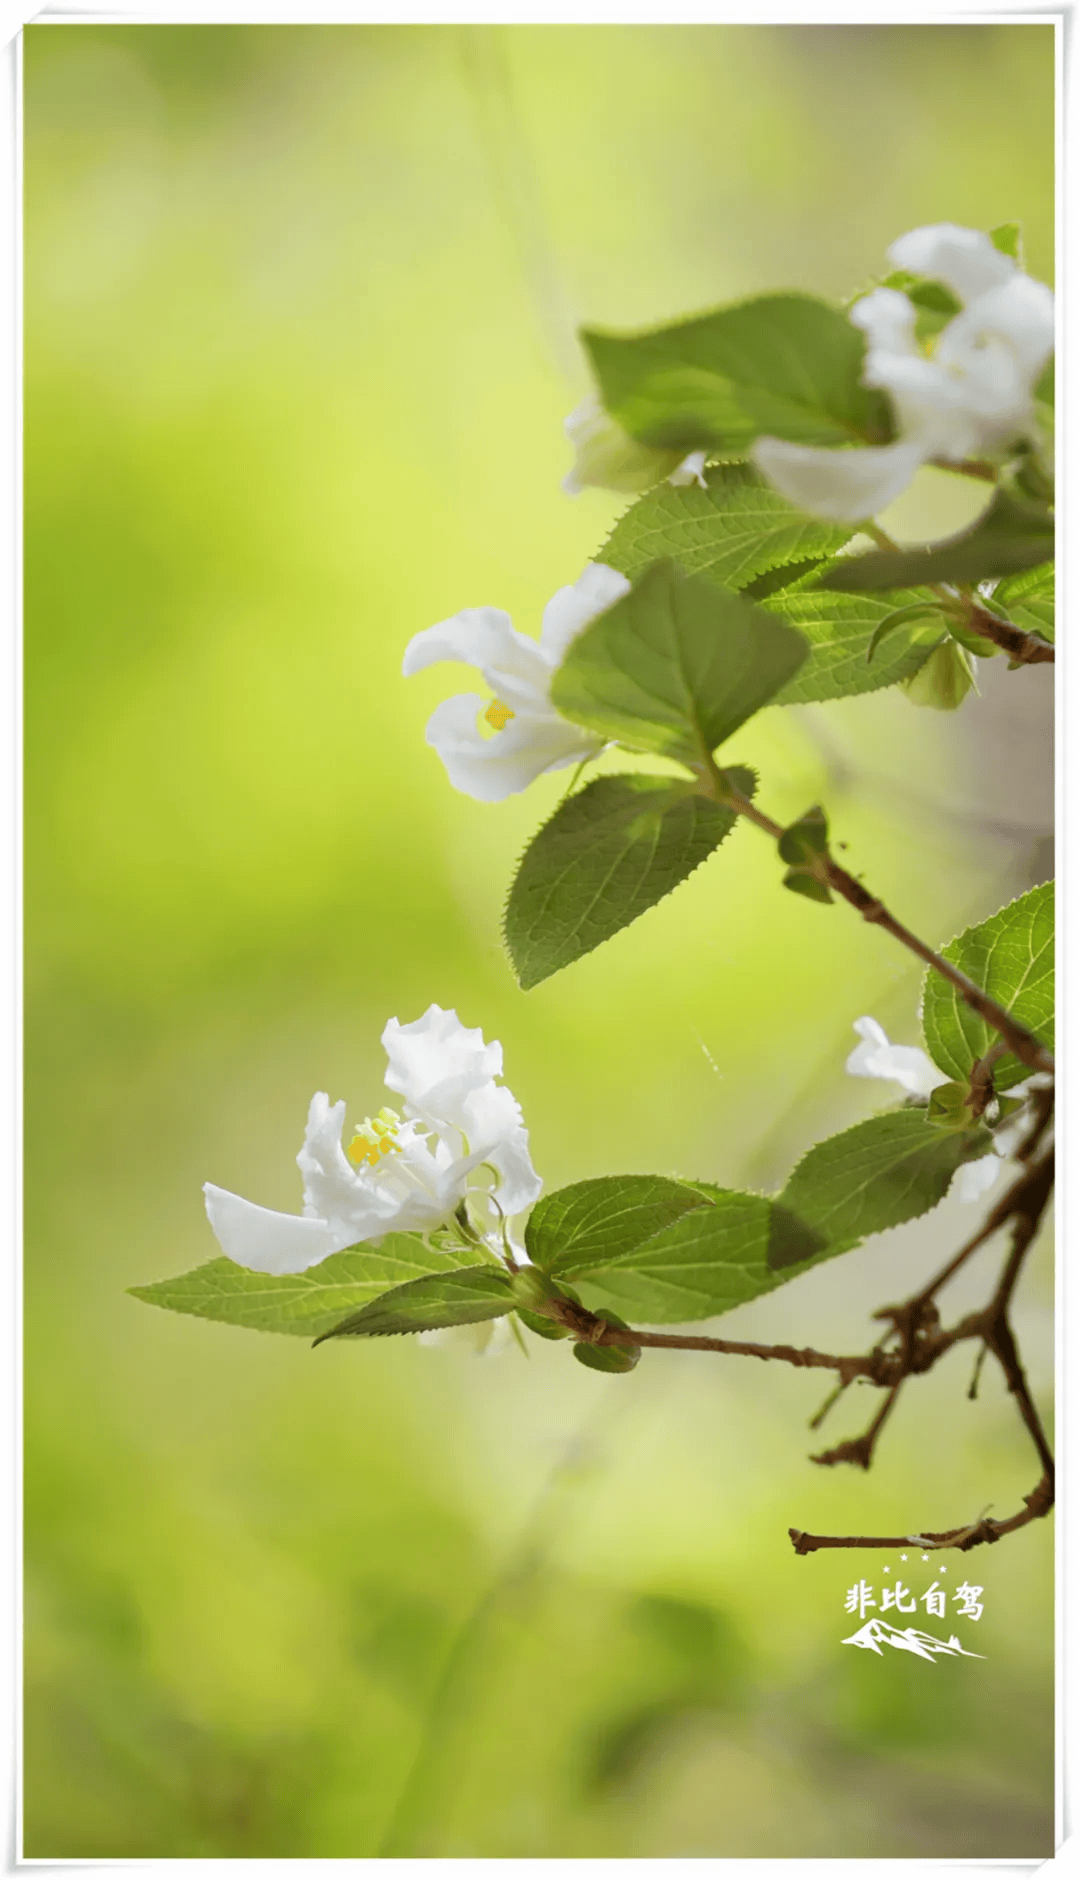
<point>951,1105</point>
<point>810,886</point>
<point>542,1327</point>
<point>944,682</point>
<point>804,839</point>
<point>616,1360</point>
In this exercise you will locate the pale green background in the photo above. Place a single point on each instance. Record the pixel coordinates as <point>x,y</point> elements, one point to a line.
<point>300,317</point>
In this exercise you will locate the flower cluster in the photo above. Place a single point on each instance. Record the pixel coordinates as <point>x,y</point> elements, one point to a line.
<point>972,395</point>
<point>398,1174</point>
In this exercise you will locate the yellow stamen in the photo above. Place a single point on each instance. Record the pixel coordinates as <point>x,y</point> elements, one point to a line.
<point>498,715</point>
<point>374,1138</point>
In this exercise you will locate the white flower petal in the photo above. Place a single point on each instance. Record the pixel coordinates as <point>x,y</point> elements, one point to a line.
<point>975,1179</point>
<point>267,1242</point>
<point>964,258</point>
<point>437,1055</point>
<point>838,485</point>
<point>1021,314</point>
<point>491,1119</point>
<point>570,610</point>
<point>888,320</point>
<point>491,769</point>
<point>514,666</point>
<point>900,1064</point>
<point>691,470</point>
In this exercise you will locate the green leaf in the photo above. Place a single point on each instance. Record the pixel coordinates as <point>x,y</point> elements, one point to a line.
<point>1011,957</point>
<point>783,364</point>
<point>304,1304</point>
<point>1011,536</point>
<point>840,628</point>
<point>608,854</point>
<point>884,1171</point>
<point>1044,385</point>
<point>593,1222</point>
<point>463,1297</point>
<point>676,666</point>
<point>732,532</point>
<point>708,1262</point>
<point>1028,600</point>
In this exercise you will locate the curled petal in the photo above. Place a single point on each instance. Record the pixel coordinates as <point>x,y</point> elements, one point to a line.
<point>570,610</point>
<point>491,1119</point>
<point>964,258</point>
<point>437,1060</point>
<point>331,1185</point>
<point>839,485</point>
<point>1020,313</point>
<point>491,769</point>
<point>514,665</point>
<point>888,320</point>
<point>900,1064</point>
<point>267,1242</point>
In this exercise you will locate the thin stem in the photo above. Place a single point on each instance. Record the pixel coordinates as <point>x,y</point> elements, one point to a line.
<point>1038,1503</point>
<point>1019,1039</point>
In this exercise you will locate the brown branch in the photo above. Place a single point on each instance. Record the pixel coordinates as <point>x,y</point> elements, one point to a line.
<point>1038,1503</point>
<point>922,1343</point>
<point>1024,649</point>
<point>1019,1039</point>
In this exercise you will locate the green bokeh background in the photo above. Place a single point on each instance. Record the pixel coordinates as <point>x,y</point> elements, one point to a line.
<point>300,336</point>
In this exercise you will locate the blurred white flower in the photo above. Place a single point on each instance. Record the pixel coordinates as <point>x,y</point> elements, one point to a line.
<point>528,737</point>
<point>902,1064</point>
<point>607,457</point>
<point>906,1065</point>
<point>397,1174</point>
<point>486,1340</point>
<point>974,394</point>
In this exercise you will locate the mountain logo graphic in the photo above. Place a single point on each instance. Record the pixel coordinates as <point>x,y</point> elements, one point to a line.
<point>876,1633</point>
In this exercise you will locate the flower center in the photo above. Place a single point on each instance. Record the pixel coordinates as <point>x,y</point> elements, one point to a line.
<point>374,1138</point>
<point>498,715</point>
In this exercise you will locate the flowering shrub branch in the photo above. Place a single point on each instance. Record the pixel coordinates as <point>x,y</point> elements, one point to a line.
<point>759,443</point>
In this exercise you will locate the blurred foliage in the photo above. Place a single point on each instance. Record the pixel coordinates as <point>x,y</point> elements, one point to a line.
<point>300,336</point>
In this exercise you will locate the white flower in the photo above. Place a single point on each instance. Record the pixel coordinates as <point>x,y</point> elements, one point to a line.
<point>906,1065</point>
<point>397,1175</point>
<point>973,395</point>
<point>607,457</point>
<point>529,737</point>
<point>902,1064</point>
